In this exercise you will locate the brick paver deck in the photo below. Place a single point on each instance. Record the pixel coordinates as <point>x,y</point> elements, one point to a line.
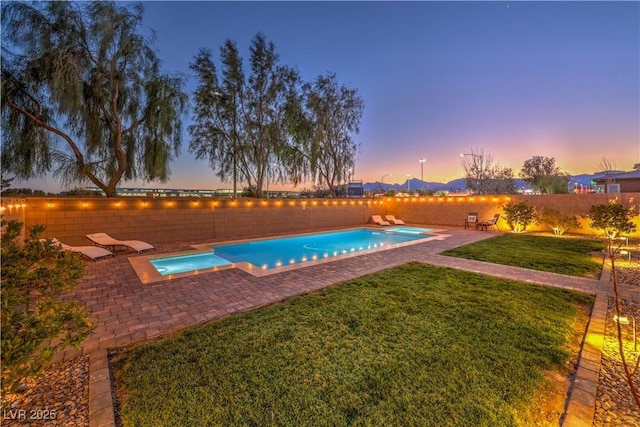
<point>127,311</point>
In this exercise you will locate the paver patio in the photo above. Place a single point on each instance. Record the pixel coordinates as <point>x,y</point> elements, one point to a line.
<point>126,311</point>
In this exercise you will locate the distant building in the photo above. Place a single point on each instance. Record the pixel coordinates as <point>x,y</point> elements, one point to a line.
<point>166,192</point>
<point>621,182</point>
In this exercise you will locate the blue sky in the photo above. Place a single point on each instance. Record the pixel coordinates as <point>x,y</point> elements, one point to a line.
<point>517,79</point>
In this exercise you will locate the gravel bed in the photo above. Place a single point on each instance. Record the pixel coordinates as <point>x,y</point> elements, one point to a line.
<point>614,403</point>
<point>60,398</point>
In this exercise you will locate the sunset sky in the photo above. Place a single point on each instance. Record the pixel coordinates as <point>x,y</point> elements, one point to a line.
<point>517,79</point>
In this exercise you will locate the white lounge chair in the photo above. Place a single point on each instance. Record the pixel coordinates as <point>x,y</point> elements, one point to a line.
<point>94,253</point>
<point>393,220</point>
<point>377,219</point>
<point>104,240</point>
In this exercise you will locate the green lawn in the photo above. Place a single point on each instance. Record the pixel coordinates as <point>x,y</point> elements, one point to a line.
<point>415,345</point>
<point>564,255</point>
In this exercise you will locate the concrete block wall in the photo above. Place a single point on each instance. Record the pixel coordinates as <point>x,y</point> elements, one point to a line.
<point>182,219</point>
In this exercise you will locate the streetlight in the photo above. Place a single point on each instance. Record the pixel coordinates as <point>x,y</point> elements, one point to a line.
<point>384,176</point>
<point>422,169</point>
<point>408,182</point>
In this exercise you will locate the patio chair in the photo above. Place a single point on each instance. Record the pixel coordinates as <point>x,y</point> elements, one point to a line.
<point>489,223</point>
<point>94,253</point>
<point>471,220</point>
<point>104,240</point>
<point>377,219</point>
<point>393,220</point>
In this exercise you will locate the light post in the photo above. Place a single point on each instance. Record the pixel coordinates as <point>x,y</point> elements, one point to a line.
<point>422,169</point>
<point>409,182</point>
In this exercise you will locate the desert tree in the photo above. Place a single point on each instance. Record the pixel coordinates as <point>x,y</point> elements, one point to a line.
<point>83,95</point>
<point>483,176</point>
<point>326,117</point>
<point>615,221</point>
<point>240,121</point>
<point>608,169</point>
<point>544,176</point>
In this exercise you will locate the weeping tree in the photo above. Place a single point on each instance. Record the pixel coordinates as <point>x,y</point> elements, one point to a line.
<point>83,95</point>
<point>322,125</point>
<point>240,121</point>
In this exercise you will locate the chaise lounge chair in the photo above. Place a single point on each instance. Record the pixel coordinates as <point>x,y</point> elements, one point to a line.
<point>94,253</point>
<point>104,240</point>
<point>393,220</point>
<point>489,223</point>
<point>377,219</point>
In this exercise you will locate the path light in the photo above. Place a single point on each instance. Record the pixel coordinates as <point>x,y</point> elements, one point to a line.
<point>626,252</point>
<point>624,320</point>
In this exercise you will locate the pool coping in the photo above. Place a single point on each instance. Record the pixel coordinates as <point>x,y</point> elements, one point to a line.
<point>147,273</point>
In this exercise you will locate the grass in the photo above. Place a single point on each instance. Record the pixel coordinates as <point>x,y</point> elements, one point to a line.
<point>413,345</point>
<point>563,255</point>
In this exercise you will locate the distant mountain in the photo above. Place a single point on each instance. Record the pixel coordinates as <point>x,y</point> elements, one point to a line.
<point>459,184</point>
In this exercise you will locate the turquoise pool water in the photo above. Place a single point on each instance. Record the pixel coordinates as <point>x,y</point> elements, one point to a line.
<point>274,253</point>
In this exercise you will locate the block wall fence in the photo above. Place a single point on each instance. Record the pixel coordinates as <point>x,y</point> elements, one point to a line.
<point>159,220</point>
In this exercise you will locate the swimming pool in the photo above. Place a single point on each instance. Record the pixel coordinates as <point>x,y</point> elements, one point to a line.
<point>268,254</point>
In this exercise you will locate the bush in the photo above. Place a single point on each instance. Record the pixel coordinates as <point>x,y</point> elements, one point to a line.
<point>520,215</point>
<point>37,318</point>
<point>558,222</point>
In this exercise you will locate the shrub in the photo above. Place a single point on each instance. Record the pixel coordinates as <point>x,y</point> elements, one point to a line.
<point>37,318</point>
<point>558,222</point>
<point>520,215</point>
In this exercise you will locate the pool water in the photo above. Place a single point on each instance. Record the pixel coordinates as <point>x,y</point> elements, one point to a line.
<point>181,264</point>
<point>410,230</point>
<point>273,253</point>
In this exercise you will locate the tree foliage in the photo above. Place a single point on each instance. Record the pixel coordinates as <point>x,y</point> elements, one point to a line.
<point>483,176</point>
<point>323,124</point>
<point>544,176</point>
<point>38,319</point>
<point>84,75</point>
<point>612,218</point>
<point>269,125</point>
<point>240,121</point>
<point>520,215</point>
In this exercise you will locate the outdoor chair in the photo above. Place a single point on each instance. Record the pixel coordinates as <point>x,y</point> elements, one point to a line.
<point>377,219</point>
<point>489,223</point>
<point>393,220</point>
<point>104,240</point>
<point>92,252</point>
<point>471,221</point>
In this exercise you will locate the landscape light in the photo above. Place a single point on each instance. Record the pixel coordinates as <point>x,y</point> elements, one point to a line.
<point>624,320</point>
